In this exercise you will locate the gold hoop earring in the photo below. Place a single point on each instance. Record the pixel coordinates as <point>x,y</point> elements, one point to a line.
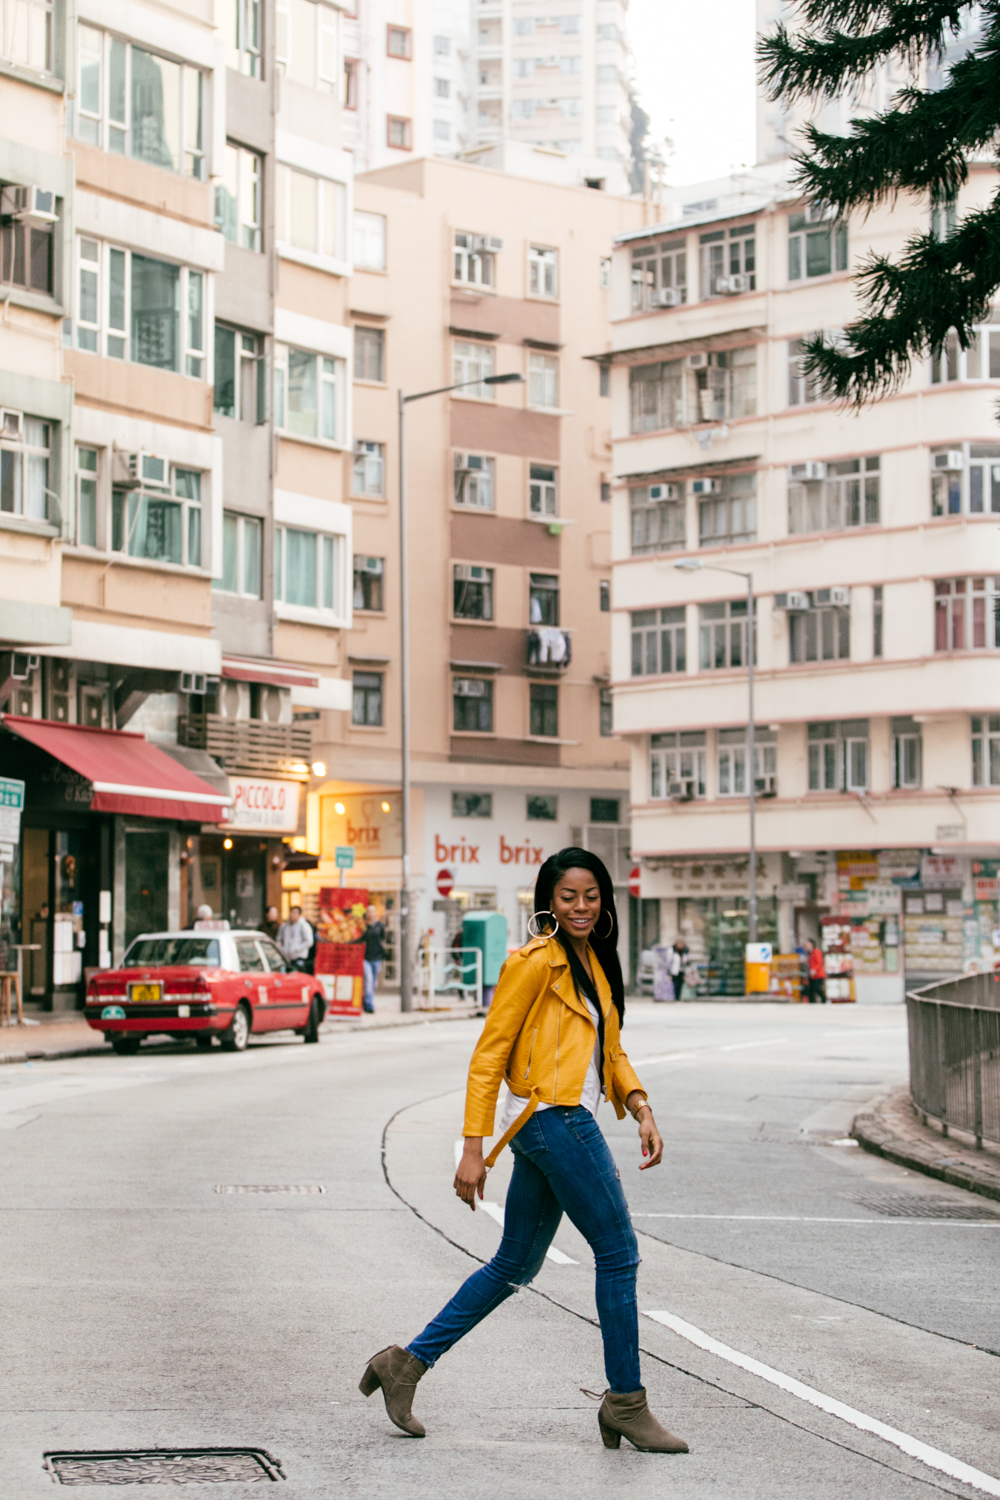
<point>611,926</point>
<point>534,918</point>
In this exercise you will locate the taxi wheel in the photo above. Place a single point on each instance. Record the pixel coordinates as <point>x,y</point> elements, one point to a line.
<point>311,1031</point>
<point>238,1034</point>
<point>126,1046</point>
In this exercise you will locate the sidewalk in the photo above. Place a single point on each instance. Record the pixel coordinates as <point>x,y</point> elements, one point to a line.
<point>894,1131</point>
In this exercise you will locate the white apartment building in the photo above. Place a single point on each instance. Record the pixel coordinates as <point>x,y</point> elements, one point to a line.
<point>873,538</point>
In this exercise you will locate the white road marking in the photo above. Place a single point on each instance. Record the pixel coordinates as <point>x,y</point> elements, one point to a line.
<point>496,1212</point>
<point>805,1219</point>
<point>773,1041</point>
<point>644,1062</point>
<point>934,1458</point>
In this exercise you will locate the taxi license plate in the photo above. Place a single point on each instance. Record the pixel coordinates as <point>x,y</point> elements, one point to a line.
<point>141,992</point>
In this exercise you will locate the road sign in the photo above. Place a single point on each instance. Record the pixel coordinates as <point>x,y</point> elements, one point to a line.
<point>634,881</point>
<point>445,881</point>
<point>344,856</point>
<point>11,804</point>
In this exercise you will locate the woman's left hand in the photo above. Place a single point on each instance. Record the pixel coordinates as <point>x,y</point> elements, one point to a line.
<point>652,1141</point>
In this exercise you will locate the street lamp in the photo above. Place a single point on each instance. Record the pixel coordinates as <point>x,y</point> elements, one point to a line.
<point>695,565</point>
<point>405,945</point>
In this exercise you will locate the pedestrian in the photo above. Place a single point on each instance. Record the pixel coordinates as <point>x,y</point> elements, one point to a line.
<point>373,938</point>
<point>817,973</point>
<point>678,965</point>
<point>553,1032</point>
<point>272,925</point>
<point>295,939</point>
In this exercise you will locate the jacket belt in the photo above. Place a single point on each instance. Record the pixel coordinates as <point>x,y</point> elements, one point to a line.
<point>534,1100</point>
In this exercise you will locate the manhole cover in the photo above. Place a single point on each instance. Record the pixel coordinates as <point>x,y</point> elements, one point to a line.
<point>269,1187</point>
<point>910,1206</point>
<point>165,1466</point>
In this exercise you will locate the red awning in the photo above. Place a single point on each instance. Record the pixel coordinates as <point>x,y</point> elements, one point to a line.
<point>128,774</point>
<point>276,676</point>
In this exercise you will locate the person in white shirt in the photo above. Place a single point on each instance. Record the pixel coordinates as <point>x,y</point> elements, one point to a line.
<point>295,938</point>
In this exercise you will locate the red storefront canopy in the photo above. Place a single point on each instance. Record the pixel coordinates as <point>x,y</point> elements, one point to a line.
<point>128,774</point>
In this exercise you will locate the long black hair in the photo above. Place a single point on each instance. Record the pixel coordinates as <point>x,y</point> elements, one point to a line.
<point>605,947</point>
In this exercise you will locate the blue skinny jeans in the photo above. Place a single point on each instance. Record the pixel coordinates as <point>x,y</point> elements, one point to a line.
<point>562,1164</point>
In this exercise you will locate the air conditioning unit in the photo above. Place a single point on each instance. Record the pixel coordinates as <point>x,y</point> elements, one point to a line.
<point>705,487</point>
<point>28,205</point>
<point>818,213</point>
<point>681,791</point>
<point>667,296</point>
<point>469,463</point>
<point>953,461</point>
<point>664,492</point>
<point>11,424</point>
<point>706,403</point>
<point>369,564</point>
<point>134,470</point>
<point>766,786</point>
<point>840,596</point>
<point>729,286</point>
<point>739,283</point>
<point>471,573</point>
<point>22,664</point>
<point>491,242</point>
<point>807,472</point>
<point>698,361</point>
<point>470,687</point>
<point>794,599</point>
<point>193,682</point>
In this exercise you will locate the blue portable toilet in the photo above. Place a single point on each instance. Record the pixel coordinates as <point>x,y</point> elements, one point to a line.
<point>487,931</point>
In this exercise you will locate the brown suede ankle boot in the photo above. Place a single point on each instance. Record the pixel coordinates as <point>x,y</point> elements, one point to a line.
<point>397,1373</point>
<point>629,1416</point>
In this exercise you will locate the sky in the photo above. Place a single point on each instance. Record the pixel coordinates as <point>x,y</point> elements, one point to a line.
<point>696,81</point>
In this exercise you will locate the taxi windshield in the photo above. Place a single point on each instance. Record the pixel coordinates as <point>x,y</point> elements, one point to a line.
<point>172,950</point>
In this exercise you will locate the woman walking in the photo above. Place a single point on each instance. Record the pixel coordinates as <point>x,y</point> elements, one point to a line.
<point>553,1032</point>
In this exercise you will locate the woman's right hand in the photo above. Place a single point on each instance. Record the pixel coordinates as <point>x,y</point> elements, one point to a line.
<point>471,1175</point>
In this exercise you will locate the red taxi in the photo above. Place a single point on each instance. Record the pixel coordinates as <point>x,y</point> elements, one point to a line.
<point>203,985</point>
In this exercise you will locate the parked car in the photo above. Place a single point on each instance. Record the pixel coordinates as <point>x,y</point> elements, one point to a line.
<point>646,972</point>
<point>205,985</point>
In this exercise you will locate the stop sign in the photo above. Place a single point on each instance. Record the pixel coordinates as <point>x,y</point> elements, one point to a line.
<point>634,878</point>
<point>444,882</point>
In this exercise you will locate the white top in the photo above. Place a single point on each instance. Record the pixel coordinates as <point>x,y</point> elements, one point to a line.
<point>590,1096</point>
<point>295,939</point>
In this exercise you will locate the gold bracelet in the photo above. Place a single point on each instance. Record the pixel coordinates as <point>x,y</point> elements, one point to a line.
<point>644,1105</point>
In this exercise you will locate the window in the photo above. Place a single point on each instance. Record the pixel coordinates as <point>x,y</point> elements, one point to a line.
<point>981,361</point>
<point>658,520</point>
<point>472,804</point>
<point>86,497</point>
<point>25,447</point>
<point>442,46</point>
<point>803,389</point>
<point>543,380</point>
<point>241,555</point>
<point>474,258</point>
<point>308,569</point>
<point>368,473</point>
<point>607,73</point>
<point>241,22</point>
<point>659,275</point>
<point>543,272</point>
<point>398,42</point>
<point>605,810</point>
<point>129,307</point>
<point>369,241</point>
<point>541,808</point>
<point>369,354</point>
<point>966,479</point>
<point>815,247</point>
<point>656,394</point>
<point>605,492</point>
<point>26,242</point>
<point>604,592</point>
<point>163,525</point>
<point>542,491</point>
<point>572,67</point>
<point>237,198</point>
<point>544,710</point>
<point>350,83</point>
<point>877,608</point>
<point>604,275</point>
<point>239,375</point>
<point>965,614</point>
<point>474,480</point>
<point>606,714</point>
<point>570,25</point>
<point>308,394</point>
<point>820,633</point>
<point>137,104</point>
<point>659,641</point>
<point>835,496</point>
<point>729,516</point>
<point>604,380</point>
<point>986,749</point>
<point>369,574</point>
<point>442,131</point>
<point>728,266</point>
<point>398,133</point>
<point>838,756</point>
<point>524,26</point>
<point>305,44</point>
<point>472,592</point>
<point>366,706</point>
<point>543,599</point>
<point>442,88</point>
<point>26,34</point>
<point>944,217</point>
<point>472,705</point>
<point>722,635</point>
<point>732,762</point>
<point>907,754</point>
<point>471,363</point>
<point>724,385</point>
<point>677,765</point>
<point>310,212</point>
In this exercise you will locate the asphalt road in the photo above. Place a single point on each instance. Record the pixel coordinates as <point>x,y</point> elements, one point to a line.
<point>801,1297</point>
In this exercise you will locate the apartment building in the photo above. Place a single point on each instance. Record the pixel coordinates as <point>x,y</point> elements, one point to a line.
<point>462,273</point>
<point>873,543</point>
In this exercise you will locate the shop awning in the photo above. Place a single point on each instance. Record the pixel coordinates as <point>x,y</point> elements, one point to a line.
<point>238,669</point>
<point>128,774</point>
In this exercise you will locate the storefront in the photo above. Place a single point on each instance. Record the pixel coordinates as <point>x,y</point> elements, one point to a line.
<point>237,869</point>
<point>706,903</point>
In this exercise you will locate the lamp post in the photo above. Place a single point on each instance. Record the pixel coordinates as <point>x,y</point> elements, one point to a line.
<point>405,944</point>
<point>695,565</point>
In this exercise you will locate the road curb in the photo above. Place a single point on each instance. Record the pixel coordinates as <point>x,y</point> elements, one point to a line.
<point>893,1130</point>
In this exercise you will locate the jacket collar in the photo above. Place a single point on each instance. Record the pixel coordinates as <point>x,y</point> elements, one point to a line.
<point>558,958</point>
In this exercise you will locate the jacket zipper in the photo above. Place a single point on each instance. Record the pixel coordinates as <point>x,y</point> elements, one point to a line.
<point>555,1081</point>
<point>531,1053</point>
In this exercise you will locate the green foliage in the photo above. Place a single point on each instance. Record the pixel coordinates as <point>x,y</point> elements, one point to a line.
<point>920,146</point>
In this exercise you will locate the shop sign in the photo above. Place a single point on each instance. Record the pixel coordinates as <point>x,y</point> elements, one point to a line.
<point>264,806</point>
<point>11,807</point>
<point>370,822</point>
<point>711,879</point>
<point>943,870</point>
<point>797,892</point>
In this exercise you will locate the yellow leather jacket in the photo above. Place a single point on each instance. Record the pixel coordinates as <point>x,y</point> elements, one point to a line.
<point>539,1036</point>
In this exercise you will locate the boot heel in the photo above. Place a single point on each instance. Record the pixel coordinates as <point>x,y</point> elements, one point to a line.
<point>612,1439</point>
<point>370,1382</point>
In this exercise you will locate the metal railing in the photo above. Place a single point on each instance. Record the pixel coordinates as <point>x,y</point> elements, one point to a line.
<point>449,976</point>
<point>248,744</point>
<point>954,1031</point>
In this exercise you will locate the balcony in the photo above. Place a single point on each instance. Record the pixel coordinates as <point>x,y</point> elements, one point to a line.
<point>548,651</point>
<point>249,745</point>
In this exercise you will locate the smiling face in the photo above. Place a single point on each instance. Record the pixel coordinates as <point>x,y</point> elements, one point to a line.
<point>576,902</point>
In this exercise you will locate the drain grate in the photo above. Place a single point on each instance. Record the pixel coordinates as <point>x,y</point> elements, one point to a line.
<point>166,1466</point>
<point>270,1187</point>
<point>912,1206</point>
